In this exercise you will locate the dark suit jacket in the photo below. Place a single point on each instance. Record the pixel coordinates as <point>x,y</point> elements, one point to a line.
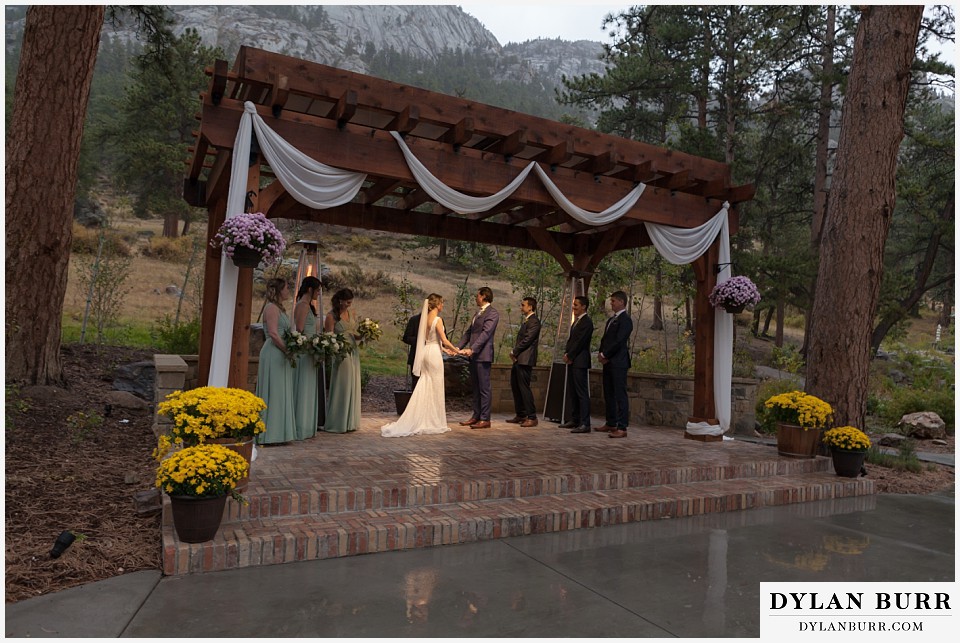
<point>527,339</point>
<point>578,344</point>
<point>479,335</point>
<point>410,337</point>
<point>613,344</point>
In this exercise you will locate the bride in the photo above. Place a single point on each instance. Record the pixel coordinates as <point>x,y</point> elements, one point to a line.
<point>426,411</point>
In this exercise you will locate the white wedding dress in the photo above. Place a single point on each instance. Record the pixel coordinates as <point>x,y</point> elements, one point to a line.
<point>426,412</point>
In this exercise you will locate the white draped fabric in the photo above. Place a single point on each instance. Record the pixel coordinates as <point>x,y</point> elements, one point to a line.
<point>682,246</point>
<point>465,204</point>
<point>320,186</point>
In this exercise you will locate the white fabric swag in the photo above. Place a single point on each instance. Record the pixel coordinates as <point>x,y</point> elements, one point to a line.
<point>320,186</point>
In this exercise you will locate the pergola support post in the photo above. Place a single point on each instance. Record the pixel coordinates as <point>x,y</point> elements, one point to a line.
<point>240,340</point>
<point>704,401</point>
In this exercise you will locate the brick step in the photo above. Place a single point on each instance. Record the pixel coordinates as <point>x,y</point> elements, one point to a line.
<point>281,539</point>
<point>336,499</point>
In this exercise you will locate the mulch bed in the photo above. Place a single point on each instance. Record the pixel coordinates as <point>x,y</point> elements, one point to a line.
<point>65,474</point>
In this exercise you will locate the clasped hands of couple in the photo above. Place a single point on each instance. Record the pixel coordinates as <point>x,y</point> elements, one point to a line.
<point>464,352</point>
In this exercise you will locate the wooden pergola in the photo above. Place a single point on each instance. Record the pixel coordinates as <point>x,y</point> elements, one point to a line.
<point>343,119</point>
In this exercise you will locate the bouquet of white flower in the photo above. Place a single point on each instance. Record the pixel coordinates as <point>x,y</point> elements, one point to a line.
<point>296,343</point>
<point>326,345</point>
<point>369,330</point>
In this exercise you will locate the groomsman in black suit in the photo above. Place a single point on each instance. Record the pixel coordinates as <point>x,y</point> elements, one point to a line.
<point>524,357</point>
<point>577,359</point>
<point>615,357</point>
<point>410,338</point>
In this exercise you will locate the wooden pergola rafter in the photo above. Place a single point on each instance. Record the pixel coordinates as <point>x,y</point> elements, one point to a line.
<point>344,119</point>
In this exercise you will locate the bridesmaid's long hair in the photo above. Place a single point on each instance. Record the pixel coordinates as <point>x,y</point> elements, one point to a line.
<point>306,285</point>
<point>274,288</point>
<point>433,301</point>
<point>344,294</point>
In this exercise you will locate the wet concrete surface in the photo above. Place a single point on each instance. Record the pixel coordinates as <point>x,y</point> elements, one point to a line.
<point>688,577</point>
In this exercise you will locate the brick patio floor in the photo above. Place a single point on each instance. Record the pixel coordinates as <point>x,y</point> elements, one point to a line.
<point>358,493</point>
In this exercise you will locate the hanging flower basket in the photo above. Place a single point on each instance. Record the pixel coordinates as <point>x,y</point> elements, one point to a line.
<point>244,257</point>
<point>735,294</point>
<point>249,239</point>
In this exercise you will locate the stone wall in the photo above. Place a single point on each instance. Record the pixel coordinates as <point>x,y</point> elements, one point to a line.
<point>655,399</point>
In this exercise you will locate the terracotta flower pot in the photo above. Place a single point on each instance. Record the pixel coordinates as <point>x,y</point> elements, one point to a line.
<point>795,442</point>
<point>197,520</point>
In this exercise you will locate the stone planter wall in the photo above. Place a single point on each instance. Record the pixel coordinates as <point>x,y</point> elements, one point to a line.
<point>655,399</point>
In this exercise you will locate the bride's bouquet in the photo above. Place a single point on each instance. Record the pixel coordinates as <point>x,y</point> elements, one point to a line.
<point>369,330</point>
<point>296,344</point>
<point>328,345</point>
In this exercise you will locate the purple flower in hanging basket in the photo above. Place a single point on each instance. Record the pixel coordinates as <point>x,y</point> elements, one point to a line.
<point>736,291</point>
<point>254,231</point>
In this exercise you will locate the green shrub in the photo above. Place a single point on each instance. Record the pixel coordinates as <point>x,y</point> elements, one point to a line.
<point>766,390</point>
<point>87,240</point>
<point>905,460</point>
<point>168,249</point>
<point>905,399</point>
<point>181,338</point>
<point>81,425</point>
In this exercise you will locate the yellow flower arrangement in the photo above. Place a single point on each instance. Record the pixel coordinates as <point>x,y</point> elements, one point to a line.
<point>846,438</point>
<point>796,407</point>
<point>205,470</point>
<point>213,412</point>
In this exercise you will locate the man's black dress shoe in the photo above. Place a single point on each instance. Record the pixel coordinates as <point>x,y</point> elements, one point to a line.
<point>567,425</point>
<point>581,429</point>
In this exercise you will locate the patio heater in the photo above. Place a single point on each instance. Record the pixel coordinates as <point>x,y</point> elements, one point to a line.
<point>558,406</point>
<point>308,265</point>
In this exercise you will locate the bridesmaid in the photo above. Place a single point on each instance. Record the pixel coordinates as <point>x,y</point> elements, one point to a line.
<point>275,375</point>
<point>307,404</point>
<point>343,410</point>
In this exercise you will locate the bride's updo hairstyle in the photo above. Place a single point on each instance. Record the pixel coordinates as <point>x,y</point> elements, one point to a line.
<point>433,301</point>
<point>342,295</point>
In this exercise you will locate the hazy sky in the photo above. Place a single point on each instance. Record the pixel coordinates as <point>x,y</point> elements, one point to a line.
<point>517,22</point>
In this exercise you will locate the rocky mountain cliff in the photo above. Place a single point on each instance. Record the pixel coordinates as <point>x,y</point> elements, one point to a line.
<point>346,35</point>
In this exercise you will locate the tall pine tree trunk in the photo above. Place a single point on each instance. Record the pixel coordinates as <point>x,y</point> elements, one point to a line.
<point>43,148</point>
<point>859,209</point>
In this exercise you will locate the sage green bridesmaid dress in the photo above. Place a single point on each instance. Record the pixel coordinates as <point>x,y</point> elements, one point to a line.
<point>307,404</point>
<point>343,409</point>
<point>275,385</point>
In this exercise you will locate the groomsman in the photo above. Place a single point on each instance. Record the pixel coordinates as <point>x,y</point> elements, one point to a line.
<point>615,357</point>
<point>524,358</point>
<point>577,359</point>
<point>477,344</point>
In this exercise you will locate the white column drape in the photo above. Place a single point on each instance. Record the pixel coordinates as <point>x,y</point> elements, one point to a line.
<point>682,246</point>
<point>320,186</point>
<point>308,181</point>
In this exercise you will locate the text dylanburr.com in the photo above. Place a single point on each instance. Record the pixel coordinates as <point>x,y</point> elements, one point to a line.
<point>852,610</point>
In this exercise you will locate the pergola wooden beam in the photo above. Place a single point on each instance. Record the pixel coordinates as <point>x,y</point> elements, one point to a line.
<point>344,119</point>
<point>386,96</point>
<point>361,149</point>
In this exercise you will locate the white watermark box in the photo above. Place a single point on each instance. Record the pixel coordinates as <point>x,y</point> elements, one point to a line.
<point>856,611</point>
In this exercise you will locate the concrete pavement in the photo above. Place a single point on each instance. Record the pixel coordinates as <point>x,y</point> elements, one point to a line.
<point>684,577</point>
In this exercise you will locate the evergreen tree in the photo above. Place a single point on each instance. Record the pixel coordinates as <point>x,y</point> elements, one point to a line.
<point>154,128</point>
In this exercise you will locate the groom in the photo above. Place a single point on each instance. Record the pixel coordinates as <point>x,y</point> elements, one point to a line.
<point>478,340</point>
